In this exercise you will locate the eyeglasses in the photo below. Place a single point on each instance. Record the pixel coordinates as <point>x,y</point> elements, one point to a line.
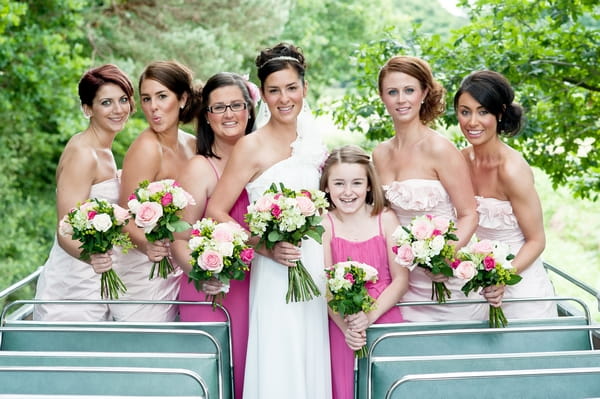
<point>221,108</point>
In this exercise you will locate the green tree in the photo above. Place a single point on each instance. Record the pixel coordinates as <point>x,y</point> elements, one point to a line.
<point>550,52</point>
<point>209,36</point>
<point>41,59</point>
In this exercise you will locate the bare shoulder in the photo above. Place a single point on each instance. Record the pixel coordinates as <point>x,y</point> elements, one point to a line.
<point>78,154</point>
<point>438,144</point>
<point>382,150</point>
<point>188,139</point>
<point>514,168</point>
<point>389,218</point>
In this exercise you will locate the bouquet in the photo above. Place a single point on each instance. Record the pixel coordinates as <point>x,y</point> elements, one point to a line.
<point>346,282</point>
<point>218,251</point>
<point>98,225</point>
<point>156,207</point>
<point>424,243</point>
<point>485,263</point>
<point>282,214</point>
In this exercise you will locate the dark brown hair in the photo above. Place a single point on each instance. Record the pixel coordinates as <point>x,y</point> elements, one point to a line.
<point>179,79</point>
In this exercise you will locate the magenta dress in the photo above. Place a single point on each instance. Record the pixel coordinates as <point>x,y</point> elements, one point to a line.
<point>372,252</point>
<point>236,303</point>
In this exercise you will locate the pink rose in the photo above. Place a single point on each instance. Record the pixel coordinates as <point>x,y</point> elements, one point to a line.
<point>349,277</point>
<point>263,204</point>
<point>166,199</point>
<point>87,206</point>
<point>276,211</point>
<point>91,215</point>
<point>455,263</point>
<point>223,233</point>
<point>155,187</point>
<point>277,196</point>
<point>306,206</point>
<point>405,256</point>
<point>441,223</point>
<point>148,215</point>
<point>247,255</point>
<point>211,261</point>
<point>64,227</point>
<point>465,270</point>
<point>489,263</point>
<point>195,233</point>
<point>395,249</point>
<point>131,197</point>
<point>306,194</point>
<point>482,247</point>
<point>121,214</point>
<point>422,229</point>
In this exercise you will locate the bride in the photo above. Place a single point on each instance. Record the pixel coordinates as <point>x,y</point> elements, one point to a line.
<point>288,349</point>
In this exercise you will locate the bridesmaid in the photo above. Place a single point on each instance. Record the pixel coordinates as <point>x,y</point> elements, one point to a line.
<point>508,204</point>
<point>161,151</point>
<point>424,173</point>
<point>86,169</point>
<point>227,114</point>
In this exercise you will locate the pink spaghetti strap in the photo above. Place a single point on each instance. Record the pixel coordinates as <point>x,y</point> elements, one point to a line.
<point>332,226</point>
<point>214,168</point>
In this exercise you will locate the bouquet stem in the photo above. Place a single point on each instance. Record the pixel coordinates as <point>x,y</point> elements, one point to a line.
<point>164,268</point>
<point>111,285</point>
<point>440,292</point>
<point>301,286</point>
<point>497,318</point>
<point>362,352</point>
<point>216,300</point>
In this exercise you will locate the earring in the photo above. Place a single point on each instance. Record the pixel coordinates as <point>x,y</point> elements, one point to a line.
<point>422,101</point>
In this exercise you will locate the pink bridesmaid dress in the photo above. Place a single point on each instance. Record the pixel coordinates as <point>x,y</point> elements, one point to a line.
<point>236,303</point>
<point>372,252</point>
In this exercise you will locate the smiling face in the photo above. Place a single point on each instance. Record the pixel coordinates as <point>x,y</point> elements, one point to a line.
<point>160,105</point>
<point>284,92</point>
<point>348,185</point>
<point>229,124</point>
<point>402,95</point>
<point>477,124</point>
<point>110,108</point>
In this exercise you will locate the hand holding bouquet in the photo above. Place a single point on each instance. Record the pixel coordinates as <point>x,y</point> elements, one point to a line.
<point>485,263</point>
<point>346,282</point>
<point>286,215</point>
<point>219,251</point>
<point>425,243</point>
<point>156,207</point>
<point>98,225</point>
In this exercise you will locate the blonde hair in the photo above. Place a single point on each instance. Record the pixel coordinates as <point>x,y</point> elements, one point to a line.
<point>356,155</point>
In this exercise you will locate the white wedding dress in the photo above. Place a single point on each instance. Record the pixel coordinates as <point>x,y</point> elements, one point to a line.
<point>288,344</point>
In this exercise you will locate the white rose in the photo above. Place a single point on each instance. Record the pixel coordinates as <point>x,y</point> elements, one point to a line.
<point>133,205</point>
<point>224,248</point>
<point>194,243</point>
<point>102,222</point>
<point>437,244</point>
<point>180,199</point>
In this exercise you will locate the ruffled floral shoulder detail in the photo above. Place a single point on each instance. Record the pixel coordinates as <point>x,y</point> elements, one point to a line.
<point>309,147</point>
<point>495,213</point>
<point>416,194</point>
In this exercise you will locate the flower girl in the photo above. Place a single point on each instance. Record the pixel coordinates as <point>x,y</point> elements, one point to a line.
<point>358,227</point>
